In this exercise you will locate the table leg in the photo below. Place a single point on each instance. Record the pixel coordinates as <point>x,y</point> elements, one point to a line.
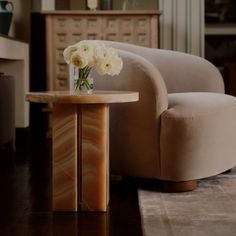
<point>94,154</point>
<point>83,129</point>
<point>64,137</point>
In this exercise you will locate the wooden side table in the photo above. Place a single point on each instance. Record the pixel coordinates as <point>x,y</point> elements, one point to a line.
<point>80,140</point>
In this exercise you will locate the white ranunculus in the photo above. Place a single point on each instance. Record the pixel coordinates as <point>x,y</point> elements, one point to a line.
<point>86,49</point>
<point>117,65</point>
<point>111,52</point>
<point>90,53</point>
<point>111,66</point>
<point>102,52</point>
<point>67,53</point>
<point>78,61</point>
<point>103,67</point>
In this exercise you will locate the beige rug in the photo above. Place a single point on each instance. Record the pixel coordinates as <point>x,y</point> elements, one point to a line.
<point>210,210</point>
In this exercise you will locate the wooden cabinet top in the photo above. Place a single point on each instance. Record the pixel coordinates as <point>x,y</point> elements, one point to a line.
<point>113,12</point>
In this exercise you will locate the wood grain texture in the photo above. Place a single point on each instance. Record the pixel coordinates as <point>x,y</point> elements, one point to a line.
<point>95,157</point>
<point>81,146</point>
<point>69,27</point>
<point>93,165</point>
<point>49,57</point>
<point>65,157</point>
<point>25,199</point>
<point>98,96</point>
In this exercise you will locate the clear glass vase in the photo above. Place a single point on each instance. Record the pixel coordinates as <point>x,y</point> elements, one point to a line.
<point>83,85</point>
<point>80,80</point>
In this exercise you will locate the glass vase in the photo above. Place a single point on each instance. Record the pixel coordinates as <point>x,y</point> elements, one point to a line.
<point>80,82</point>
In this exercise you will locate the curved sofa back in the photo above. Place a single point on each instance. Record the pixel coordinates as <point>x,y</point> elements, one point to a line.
<point>181,72</point>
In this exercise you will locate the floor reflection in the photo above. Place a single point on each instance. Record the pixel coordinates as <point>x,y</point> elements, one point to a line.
<point>25,200</point>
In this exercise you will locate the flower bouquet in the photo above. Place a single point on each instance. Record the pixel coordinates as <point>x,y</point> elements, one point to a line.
<point>87,54</point>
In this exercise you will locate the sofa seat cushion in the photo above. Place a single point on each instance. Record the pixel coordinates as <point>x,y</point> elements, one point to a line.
<point>198,129</point>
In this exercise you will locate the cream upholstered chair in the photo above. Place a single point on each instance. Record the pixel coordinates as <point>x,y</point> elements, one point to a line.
<point>182,129</point>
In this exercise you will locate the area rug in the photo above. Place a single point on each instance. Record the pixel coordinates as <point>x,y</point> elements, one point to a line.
<point>210,210</point>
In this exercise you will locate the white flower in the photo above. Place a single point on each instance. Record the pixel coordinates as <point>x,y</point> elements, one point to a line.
<point>117,65</point>
<point>86,49</point>
<point>111,66</point>
<point>88,53</point>
<point>78,60</point>
<point>67,53</point>
<point>102,52</point>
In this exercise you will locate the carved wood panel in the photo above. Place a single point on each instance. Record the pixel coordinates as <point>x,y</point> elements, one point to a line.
<point>67,29</point>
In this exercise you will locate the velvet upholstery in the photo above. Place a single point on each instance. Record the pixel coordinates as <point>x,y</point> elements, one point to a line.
<point>181,72</point>
<point>136,124</point>
<point>198,135</point>
<point>182,128</point>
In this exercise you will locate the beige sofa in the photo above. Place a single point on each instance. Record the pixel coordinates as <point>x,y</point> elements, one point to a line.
<point>182,129</point>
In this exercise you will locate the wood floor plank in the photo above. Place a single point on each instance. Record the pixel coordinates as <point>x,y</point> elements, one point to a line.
<point>26,199</point>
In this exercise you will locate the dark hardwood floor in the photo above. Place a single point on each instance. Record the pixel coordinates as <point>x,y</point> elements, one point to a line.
<point>25,198</point>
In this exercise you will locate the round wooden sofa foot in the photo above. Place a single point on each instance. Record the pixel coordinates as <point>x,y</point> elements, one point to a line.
<point>182,186</point>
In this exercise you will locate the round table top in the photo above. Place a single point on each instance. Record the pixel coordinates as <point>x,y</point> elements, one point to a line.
<point>97,96</point>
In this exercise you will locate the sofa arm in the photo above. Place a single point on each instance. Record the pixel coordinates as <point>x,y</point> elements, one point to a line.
<point>138,74</point>
<point>135,127</point>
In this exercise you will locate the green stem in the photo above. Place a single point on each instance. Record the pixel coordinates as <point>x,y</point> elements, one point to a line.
<point>83,78</point>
